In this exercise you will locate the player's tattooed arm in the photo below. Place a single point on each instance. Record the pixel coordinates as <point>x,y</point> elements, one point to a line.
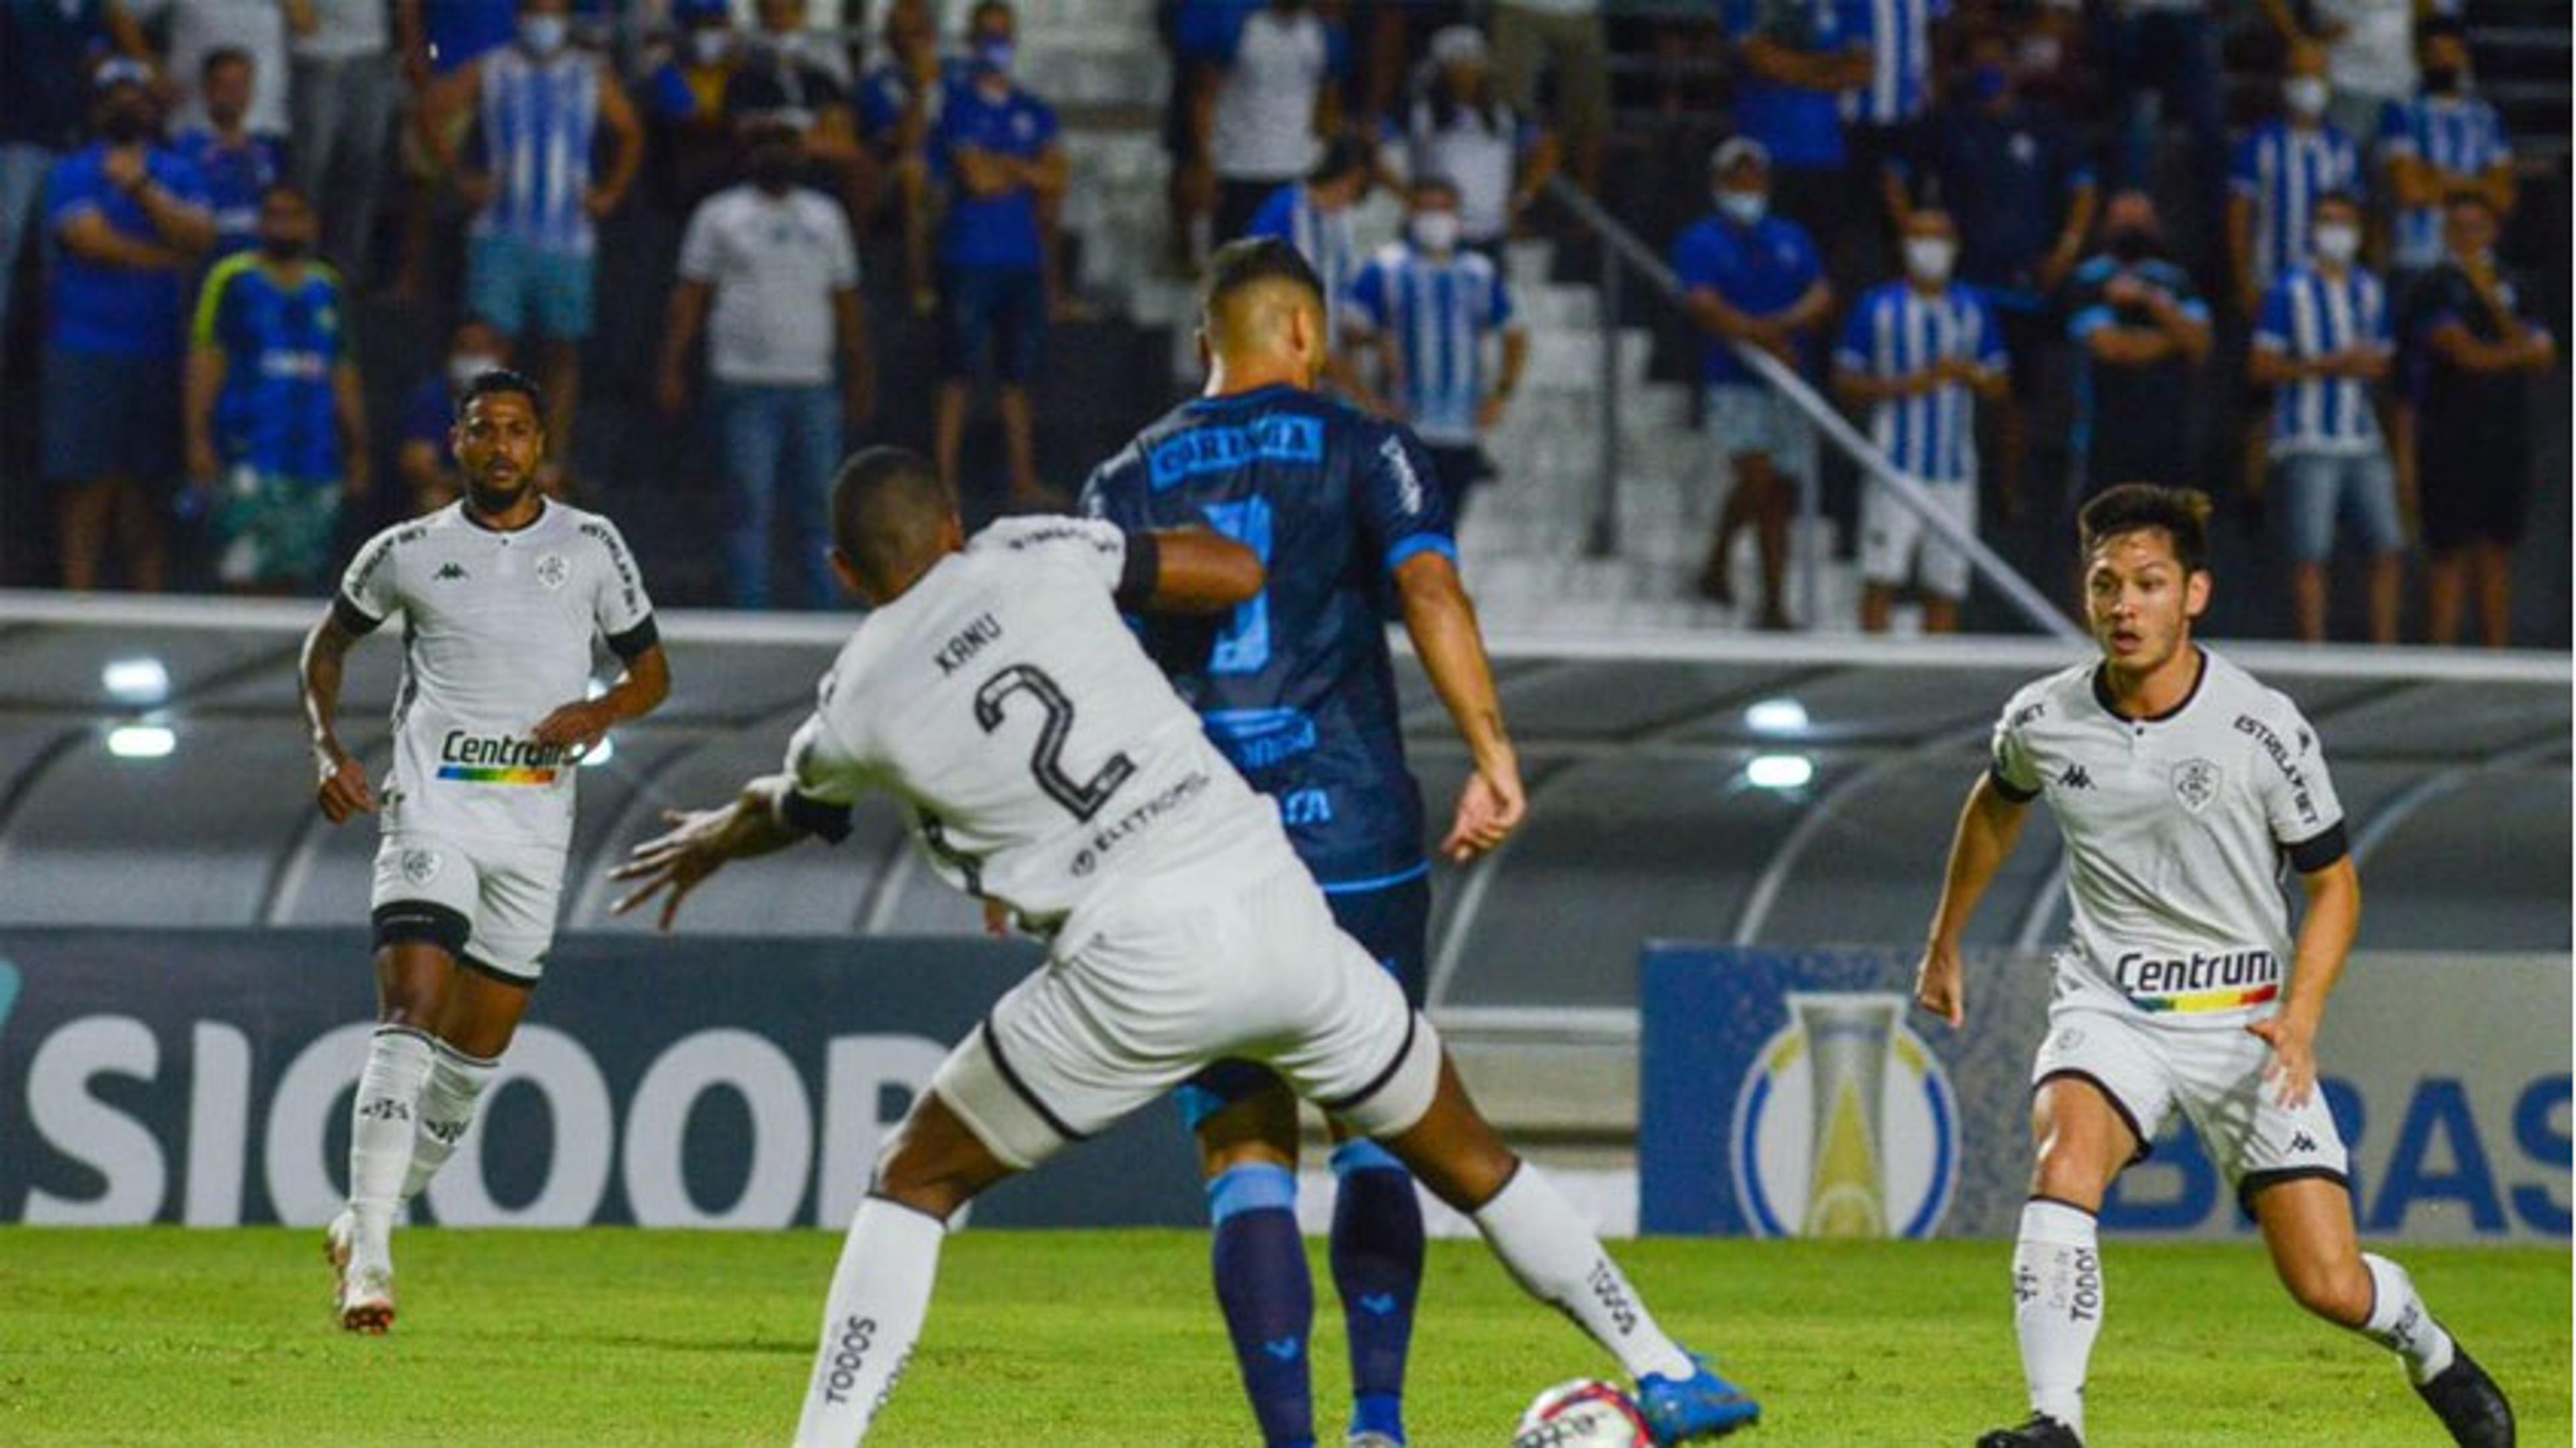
<point>701,842</point>
<point>340,784</point>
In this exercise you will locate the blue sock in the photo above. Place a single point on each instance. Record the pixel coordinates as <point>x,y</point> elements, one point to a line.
<point>1268,1297</point>
<point>1377,1268</point>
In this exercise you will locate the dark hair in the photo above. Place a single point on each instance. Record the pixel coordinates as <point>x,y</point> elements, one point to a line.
<point>2336,197</point>
<point>2470,196</point>
<point>225,55</point>
<point>1341,157</point>
<point>285,185</point>
<point>1250,262</point>
<point>888,507</point>
<point>1434,182</point>
<point>2183,514</point>
<point>500,380</point>
<point>987,7</point>
<point>2439,27</point>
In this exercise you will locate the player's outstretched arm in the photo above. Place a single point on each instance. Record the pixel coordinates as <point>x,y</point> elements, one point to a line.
<point>340,787</point>
<point>1196,571</point>
<point>1442,622</point>
<point>700,842</point>
<point>2325,942</point>
<point>1989,827</point>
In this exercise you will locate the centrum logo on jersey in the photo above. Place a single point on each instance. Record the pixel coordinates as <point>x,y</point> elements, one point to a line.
<point>499,759</point>
<point>2224,981</point>
<point>1845,1125</point>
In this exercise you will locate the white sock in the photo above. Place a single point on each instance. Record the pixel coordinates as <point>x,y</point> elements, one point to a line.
<point>1549,1249</point>
<point>380,1136</point>
<point>880,1294</point>
<point>2400,1323</point>
<point>456,1082</point>
<point>2057,1311</point>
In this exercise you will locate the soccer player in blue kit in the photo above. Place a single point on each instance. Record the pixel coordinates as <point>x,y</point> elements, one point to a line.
<point>1297,690</point>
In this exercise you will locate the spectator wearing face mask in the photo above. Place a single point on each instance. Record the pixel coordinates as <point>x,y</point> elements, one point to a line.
<point>1314,216</point>
<point>276,416</point>
<point>787,68</point>
<point>1461,131</point>
<point>1750,276</point>
<point>2437,145</point>
<point>2370,54</point>
<point>238,168</point>
<point>2281,169</point>
<point>197,29</point>
<point>1263,98</point>
<point>1428,307</point>
<point>769,272</point>
<point>422,458</point>
<point>131,221</point>
<point>996,148</point>
<point>2477,329</point>
<point>46,51</point>
<point>684,103</point>
<point>1919,354</point>
<point>542,107</point>
<point>2323,345</point>
<point>2140,330</point>
<point>1794,61</point>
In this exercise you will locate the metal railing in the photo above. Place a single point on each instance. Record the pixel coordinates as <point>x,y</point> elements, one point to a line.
<point>1622,251</point>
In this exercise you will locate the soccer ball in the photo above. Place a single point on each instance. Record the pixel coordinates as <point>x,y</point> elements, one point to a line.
<point>1585,1413</point>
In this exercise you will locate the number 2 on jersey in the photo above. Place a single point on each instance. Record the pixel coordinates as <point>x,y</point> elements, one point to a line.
<point>1244,646</point>
<point>1083,798</point>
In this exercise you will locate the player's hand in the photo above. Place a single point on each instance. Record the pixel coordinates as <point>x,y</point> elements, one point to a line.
<point>583,723</point>
<point>341,789</point>
<point>997,919</point>
<point>1489,809</point>
<point>1941,985</point>
<point>2294,1058</point>
<point>676,860</point>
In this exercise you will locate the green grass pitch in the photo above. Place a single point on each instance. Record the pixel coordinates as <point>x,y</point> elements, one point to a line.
<point>1110,1338</point>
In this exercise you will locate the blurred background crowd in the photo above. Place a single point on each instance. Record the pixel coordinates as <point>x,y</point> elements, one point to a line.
<point>2304,253</point>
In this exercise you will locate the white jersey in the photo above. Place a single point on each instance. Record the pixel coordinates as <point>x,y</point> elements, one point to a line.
<point>2176,828</point>
<point>497,631</point>
<point>1044,758</point>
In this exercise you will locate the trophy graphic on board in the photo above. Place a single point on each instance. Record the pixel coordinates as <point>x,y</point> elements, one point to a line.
<point>1847,1043</point>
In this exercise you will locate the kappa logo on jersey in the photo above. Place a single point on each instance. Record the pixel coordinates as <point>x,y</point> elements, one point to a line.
<point>420,866</point>
<point>1845,1124</point>
<point>2195,783</point>
<point>2303,1142</point>
<point>449,572</point>
<point>2075,777</point>
<point>499,759</point>
<point>554,570</point>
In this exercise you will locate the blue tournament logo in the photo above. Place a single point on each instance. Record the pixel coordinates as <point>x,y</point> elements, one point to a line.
<point>1845,1124</point>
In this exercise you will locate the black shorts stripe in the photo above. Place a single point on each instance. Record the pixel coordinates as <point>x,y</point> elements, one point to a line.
<point>2136,1132</point>
<point>1377,1083</point>
<point>1020,1088</point>
<point>2257,1182</point>
<point>489,971</point>
<point>408,922</point>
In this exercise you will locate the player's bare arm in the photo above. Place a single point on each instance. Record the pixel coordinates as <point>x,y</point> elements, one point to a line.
<point>638,692</point>
<point>701,842</point>
<point>2325,942</point>
<point>1197,571</point>
<point>340,787</point>
<point>1989,826</point>
<point>1442,622</point>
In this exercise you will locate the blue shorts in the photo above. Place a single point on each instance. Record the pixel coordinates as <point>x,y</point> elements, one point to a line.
<point>108,417</point>
<point>2318,489</point>
<point>1393,921</point>
<point>990,319</point>
<point>522,289</point>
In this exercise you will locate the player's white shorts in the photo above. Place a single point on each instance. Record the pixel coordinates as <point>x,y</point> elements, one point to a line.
<point>1146,989</point>
<point>490,906</point>
<point>1895,543</point>
<point>2215,1077</point>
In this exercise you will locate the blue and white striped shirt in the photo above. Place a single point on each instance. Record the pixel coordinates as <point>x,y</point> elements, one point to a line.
<point>540,121</point>
<point>1322,237</point>
<point>1897,331</point>
<point>2283,170</point>
<point>1900,62</point>
<point>2458,134</point>
<point>1440,313</point>
<point>2308,315</point>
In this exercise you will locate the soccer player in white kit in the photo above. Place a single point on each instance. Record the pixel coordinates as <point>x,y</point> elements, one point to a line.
<point>1047,764</point>
<point>2181,785</point>
<point>501,593</point>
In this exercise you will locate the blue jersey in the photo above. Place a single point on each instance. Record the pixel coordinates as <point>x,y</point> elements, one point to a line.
<point>1439,311</point>
<point>1900,61</point>
<point>282,346</point>
<point>236,178</point>
<point>1802,128</point>
<point>540,121</point>
<point>1897,331</point>
<point>1296,686</point>
<point>2283,170</point>
<point>1322,237</point>
<point>1760,269</point>
<point>999,232</point>
<point>2457,134</point>
<point>111,310</point>
<point>2308,315</point>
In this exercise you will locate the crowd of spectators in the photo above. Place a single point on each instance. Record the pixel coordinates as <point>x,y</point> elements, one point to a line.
<point>1978,198</point>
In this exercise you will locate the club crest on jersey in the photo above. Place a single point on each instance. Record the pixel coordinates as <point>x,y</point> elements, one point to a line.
<point>554,570</point>
<point>420,866</point>
<point>2195,783</point>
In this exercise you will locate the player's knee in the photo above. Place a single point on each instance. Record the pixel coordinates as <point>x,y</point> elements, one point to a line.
<point>2339,1292</point>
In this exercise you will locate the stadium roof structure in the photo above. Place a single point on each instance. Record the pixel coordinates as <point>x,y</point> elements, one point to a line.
<point>1792,790</point>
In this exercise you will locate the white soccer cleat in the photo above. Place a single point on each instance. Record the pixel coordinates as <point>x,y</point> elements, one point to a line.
<point>335,1250</point>
<point>366,1300</point>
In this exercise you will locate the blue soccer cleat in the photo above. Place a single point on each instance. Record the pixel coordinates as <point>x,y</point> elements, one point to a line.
<point>1702,1405</point>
